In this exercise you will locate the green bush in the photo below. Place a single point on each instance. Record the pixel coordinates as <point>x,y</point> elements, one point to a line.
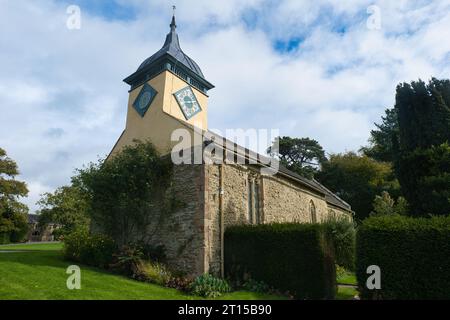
<point>343,234</point>
<point>4,238</point>
<point>256,286</point>
<point>208,286</point>
<point>180,283</point>
<point>297,258</point>
<point>127,259</point>
<point>153,272</point>
<point>412,253</point>
<point>94,250</point>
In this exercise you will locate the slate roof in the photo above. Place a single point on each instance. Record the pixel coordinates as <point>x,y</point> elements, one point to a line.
<point>312,184</point>
<point>172,47</point>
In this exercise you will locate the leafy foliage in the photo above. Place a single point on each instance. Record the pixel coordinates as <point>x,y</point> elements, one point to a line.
<point>95,250</point>
<point>412,254</point>
<point>301,155</point>
<point>384,140</point>
<point>384,204</point>
<point>66,207</point>
<point>179,283</point>
<point>13,214</point>
<point>297,258</point>
<point>126,193</point>
<point>128,259</point>
<point>357,179</point>
<point>208,286</point>
<point>256,286</point>
<point>153,272</point>
<point>422,159</point>
<point>343,234</point>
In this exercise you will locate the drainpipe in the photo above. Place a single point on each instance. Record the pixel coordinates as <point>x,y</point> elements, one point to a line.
<point>221,219</point>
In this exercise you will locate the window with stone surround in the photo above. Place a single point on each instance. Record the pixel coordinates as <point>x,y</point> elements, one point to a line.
<point>312,210</point>
<point>253,201</point>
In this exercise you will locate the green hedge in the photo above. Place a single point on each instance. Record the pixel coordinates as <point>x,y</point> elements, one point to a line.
<point>297,258</point>
<point>412,253</point>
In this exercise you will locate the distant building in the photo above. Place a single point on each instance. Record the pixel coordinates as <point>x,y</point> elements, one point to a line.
<point>36,233</point>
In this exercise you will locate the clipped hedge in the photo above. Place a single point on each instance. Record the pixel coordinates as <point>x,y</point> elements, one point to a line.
<point>412,253</point>
<point>297,258</point>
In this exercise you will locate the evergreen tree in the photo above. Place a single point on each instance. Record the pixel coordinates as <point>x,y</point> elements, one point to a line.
<point>422,158</point>
<point>301,155</point>
<point>384,140</point>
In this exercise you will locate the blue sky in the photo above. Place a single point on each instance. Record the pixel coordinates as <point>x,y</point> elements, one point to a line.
<point>308,68</point>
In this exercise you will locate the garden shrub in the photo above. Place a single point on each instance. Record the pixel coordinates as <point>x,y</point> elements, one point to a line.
<point>4,238</point>
<point>180,283</point>
<point>343,234</point>
<point>412,253</point>
<point>208,286</point>
<point>256,286</point>
<point>94,250</point>
<point>297,258</point>
<point>127,259</point>
<point>153,272</point>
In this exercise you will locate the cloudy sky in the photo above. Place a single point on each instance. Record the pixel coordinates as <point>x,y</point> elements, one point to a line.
<point>322,69</point>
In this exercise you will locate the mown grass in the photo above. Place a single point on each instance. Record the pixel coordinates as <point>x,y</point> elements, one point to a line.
<point>347,278</point>
<point>38,272</point>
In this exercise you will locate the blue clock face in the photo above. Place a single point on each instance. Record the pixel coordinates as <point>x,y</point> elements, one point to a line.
<point>144,99</point>
<point>188,102</point>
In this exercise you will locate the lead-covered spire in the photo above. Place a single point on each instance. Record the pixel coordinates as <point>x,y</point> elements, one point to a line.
<point>173,24</point>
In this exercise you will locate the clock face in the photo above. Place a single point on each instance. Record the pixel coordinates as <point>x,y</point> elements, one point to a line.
<point>188,102</point>
<point>144,99</point>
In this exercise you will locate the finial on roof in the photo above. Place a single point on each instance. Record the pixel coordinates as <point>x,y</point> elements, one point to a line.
<point>173,25</point>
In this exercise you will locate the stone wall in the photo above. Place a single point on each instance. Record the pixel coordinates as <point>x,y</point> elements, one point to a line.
<point>234,206</point>
<point>181,231</point>
<point>191,233</point>
<point>280,201</point>
<point>286,202</point>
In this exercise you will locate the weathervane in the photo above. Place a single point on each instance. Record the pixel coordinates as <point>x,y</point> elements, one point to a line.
<point>174,9</point>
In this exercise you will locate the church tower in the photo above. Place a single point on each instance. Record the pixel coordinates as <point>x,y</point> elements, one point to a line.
<point>168,91</point>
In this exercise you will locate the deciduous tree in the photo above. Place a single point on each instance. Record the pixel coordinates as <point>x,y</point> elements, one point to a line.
<point>357,179</point>
<point>13,214</point>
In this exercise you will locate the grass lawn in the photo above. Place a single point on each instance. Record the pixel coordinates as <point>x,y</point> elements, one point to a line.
<point>346,293</point>
<point>40,274</point>
<point>54,246</point>
<point>348,278</point>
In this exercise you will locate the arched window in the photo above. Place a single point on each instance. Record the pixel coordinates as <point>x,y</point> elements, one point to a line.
<point>312,211</point>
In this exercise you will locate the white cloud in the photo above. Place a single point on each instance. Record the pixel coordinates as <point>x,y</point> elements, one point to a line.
<point>63,101</point>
